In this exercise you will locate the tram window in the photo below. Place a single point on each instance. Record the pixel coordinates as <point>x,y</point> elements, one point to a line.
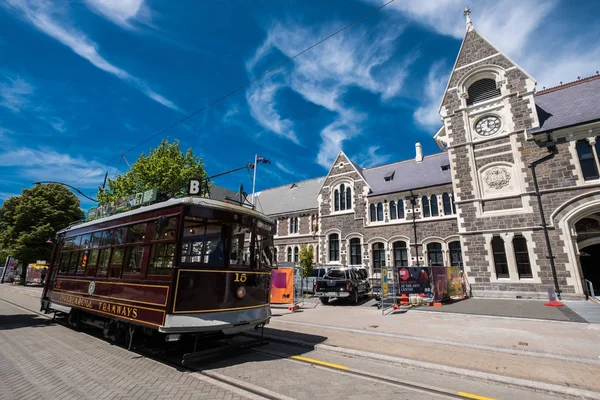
<point>102,262</point>
<point>64,263</point>
<point>164,228</point>
<point>90,269</point>
<point>73,263</point>
<point>116,261</point>
<point>161,259</point>
<point>264,251</point>
<point>97,238</point>
<point>114,237</point>
<point>85,241</point>
<point>214,246</point>
<point>133,260</point>
<point>82,262</point>
<point>136,233</point>
<point>237,249</point>
<point>71,244</point>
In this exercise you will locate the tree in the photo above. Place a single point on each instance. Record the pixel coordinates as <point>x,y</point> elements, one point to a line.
<point>306,262</point>
<point>34,217</point>
<point>166,168</point>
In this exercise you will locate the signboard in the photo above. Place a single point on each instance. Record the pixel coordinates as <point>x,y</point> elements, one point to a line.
<point>414,280</point>
<point>124,203</point>
<point>440,283</point>
<point>453,277</point>
<point>384,285</point>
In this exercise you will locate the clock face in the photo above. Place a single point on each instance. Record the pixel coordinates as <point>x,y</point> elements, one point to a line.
<point>488,126</point>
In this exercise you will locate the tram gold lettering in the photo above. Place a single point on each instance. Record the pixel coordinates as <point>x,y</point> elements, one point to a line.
<point>134,313</point>
<point>240,277</point>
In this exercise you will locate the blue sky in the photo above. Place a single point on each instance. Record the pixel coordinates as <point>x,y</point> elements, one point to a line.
<point>83,81</point>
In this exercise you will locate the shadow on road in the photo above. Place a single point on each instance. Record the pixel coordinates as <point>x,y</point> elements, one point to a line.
<point>17,321</point>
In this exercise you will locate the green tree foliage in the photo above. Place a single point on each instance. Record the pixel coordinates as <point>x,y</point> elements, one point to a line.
<point>166,168</point>
<point>306,261</point>
<point>3,257</point>
<point>29,220</point>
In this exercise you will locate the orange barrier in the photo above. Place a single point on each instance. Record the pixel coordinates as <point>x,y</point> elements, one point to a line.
<point>282,286</point>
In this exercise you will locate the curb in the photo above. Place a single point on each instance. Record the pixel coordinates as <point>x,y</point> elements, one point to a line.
<point>249,387</point>
<point>484,376</point>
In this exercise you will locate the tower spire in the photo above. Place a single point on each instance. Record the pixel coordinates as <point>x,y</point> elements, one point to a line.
<point>466,13</point>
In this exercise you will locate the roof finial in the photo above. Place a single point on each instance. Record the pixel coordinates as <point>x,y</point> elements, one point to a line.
<point>466,13</point>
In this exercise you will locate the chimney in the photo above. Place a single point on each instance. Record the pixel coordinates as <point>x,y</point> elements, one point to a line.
<point>419,156</point>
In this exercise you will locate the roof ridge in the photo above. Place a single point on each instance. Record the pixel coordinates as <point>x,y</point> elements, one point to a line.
<point>290,183</point>
<point>569,84</point>
<point>405,161</point>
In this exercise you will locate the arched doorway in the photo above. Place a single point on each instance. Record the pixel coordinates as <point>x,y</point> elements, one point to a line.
<point>588,242</point>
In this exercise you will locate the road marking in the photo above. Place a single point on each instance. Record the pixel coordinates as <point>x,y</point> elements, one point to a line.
<point>326,364</point>
<point>474,396</point>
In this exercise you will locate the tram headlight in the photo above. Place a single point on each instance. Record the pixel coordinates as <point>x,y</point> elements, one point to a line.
<point>241,292</point>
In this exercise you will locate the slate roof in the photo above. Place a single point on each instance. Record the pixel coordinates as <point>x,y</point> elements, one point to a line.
<point>288,198</point>
<point>409,175</point>
<point>567,105</point>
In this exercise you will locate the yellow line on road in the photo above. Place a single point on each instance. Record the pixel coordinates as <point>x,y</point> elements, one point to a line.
<point>474,396</point>
<point>326,364</point>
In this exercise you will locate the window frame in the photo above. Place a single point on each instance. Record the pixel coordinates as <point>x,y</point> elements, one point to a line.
<point>456,251</point>
<point>591,156</point>
<point>400,247</point>
<point>355,251</point>
<point>484,96</point>
<point>520,255</point>
<point>447,204</point>
<point>426,207</point>
<point>438,252</point>
<point>334,251</point>
<point>400,206</point>
<point>502,271</point>
<point>393,211</point>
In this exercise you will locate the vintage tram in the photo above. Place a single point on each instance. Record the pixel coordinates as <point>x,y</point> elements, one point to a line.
<point>183,266</point>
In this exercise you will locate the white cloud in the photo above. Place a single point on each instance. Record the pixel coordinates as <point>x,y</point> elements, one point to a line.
<point>119,12</point>
<point>6,195</point>
<point>15,93</point>
<point>45,164</point>
<point>283,168</point>
<point>55,122</point>
<point>369,158</point>
<point>360,58</point>
<point>47,17</point>
<point>427,114</point>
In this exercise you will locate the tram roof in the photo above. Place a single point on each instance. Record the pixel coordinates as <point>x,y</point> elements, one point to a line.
<point>192,201</point>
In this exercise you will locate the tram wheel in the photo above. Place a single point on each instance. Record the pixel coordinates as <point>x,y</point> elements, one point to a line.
<point>74,319</point>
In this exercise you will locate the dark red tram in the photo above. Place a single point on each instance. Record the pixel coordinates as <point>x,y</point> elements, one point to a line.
<point>189,265</point>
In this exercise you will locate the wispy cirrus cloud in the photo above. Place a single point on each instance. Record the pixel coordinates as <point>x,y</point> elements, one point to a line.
<point>120,12</point>
<point>370,157</point>
<point>50,18</point>
<point>15,93</point>
<point>427,114</point>
<point>360,59</point>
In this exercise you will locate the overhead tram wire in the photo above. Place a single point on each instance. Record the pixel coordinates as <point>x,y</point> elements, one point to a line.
<point>250,82</point>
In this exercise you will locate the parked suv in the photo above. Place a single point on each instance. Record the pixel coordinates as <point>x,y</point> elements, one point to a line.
<point>342,283</point>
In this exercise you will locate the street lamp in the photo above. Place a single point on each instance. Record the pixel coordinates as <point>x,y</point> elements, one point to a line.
<point>69,186</point>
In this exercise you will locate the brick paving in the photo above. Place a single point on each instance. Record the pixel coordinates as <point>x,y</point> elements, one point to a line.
<point>47,361</point>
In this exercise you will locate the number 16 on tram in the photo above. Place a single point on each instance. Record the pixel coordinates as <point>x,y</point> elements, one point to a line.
<point>189,265</point>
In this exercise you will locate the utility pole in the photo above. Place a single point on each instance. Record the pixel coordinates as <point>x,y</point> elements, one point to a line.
<point>413,201</point>
<point>254,181</point>
<point>135,177</point>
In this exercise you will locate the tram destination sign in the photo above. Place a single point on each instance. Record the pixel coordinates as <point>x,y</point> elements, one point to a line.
<point>123,203</point>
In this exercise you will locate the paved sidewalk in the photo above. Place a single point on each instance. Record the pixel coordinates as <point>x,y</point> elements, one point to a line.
<point>562,353</point>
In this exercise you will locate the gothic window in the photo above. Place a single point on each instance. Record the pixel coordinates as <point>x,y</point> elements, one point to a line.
<point>334,247</point>
<point>446,201</point>
<point>296,253</point>
<point>522,256</point>
<point>587,161</point>
<point>372,212</point>
<point>400,209</point>
<point>342,198</point>
<point>483,89</point>
<point>434,254</point>
<point>379,212</point>
<point>378,255</point>
<point>425,204</point>
<point>453,205</point>
<point>400,254</point>
<point>455,254</point>
<point>294,225</point>
<point>434,206</point>
<point>393,210</point>
<point>289,254</point>
<point>500,263</point>
<point>355,252</point>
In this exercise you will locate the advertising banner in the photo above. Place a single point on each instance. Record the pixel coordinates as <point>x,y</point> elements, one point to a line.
<point>282,286</point>
<point>453,277</point>
<point>440,283</point>
<point>414,280</point>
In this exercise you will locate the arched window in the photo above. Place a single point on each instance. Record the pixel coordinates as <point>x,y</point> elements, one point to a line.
<point>446,203</point>
<point>434,206</point>
<point>453,205</point>
<point>400,254</point>
<point>336,196</point>
<point>289,254</point>
<point>378,255</point>
<point>342,197</point>
<point>500,263</point>
<point>379,212</point>
<point>481,90</point>
<point>455,254</point>
<point>372,212</point>
<point>522,257</point>
<point>348,198</point>
<point>434,254</point>
<point>400,209</point>
<point>334,247</point>
<point>355,252</point>
<point>587,161</point>
<point>296,254</point>
<point>393,210</point>
<point>425,204</point>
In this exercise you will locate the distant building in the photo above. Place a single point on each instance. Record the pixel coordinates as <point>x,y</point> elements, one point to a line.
<point>473,205</point>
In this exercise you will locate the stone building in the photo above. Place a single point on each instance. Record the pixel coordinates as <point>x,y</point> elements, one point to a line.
<point>476,204</point>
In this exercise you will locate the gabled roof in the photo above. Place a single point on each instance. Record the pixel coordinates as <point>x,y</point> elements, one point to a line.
<point>409,175</point>
<point>293,197</point>
<point>570,104</point>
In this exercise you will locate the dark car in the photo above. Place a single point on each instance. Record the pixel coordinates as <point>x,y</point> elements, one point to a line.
<point>342,283</point>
